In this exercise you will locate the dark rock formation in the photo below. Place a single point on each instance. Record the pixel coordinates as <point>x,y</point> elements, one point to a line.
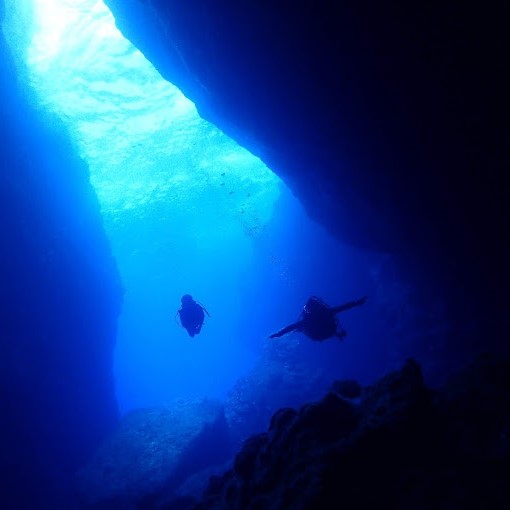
<point>281,378</point>
<point>59,301</point>
<point>152,453</point>
<point>385,120</point>
<point>401,447</point>
<point>348,388</point>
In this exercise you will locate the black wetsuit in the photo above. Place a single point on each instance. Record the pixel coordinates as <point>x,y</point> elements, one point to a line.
<point>318,321</point>
<point>192,317</point>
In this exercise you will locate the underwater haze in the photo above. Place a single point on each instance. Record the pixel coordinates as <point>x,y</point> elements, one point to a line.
<point>187,211</point>
<point>304,363</point>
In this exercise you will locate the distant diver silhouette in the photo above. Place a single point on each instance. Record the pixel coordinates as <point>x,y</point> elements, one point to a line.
<point>317,320</point>
<point>191,315</point>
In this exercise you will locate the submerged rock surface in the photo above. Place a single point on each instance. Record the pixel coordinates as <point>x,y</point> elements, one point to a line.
<point>401,446</point>
<point>153,451</point>
<point>394,445</point>
<point>60,297</point>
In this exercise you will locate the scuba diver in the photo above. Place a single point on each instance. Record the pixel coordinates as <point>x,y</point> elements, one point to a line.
<point>317,320</point>
<point>191,315</point>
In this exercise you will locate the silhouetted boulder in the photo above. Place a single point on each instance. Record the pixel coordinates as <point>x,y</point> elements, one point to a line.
<point>347,388</point>
<point>395,398</point>
<point>401,447</point>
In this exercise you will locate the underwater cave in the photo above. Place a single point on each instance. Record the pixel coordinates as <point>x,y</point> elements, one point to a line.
<point>251,155</point>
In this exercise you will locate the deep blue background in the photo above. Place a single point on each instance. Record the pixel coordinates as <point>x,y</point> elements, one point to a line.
<point>187,210</point>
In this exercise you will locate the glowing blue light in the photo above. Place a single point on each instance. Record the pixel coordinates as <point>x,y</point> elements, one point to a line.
<point>143,140</point>
<point>181,202</point>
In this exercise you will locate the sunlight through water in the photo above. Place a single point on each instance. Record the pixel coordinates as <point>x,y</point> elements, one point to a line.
<point>182,203</point>
<point>143,140</point>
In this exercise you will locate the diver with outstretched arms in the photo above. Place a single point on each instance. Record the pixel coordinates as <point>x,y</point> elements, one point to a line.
<point>318,320</point>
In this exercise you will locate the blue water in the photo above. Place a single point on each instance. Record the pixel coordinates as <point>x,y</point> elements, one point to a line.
<point>186,210</point>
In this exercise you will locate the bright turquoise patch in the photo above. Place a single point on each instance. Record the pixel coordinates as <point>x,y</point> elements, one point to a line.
<point>145,144</point>
<point>182,203</point>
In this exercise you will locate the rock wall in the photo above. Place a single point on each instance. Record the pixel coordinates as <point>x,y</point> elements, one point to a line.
<point>385,120</point>
<point>60,296</point>
<point>152,452</point>
<point>399,446</point>
<point>395,444</point>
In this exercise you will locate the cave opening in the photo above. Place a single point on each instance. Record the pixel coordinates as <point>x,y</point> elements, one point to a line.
<point>116,198</point>
<point>186,210</point>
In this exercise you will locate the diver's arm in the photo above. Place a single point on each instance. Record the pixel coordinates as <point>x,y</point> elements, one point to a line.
<point>349,305</point>
<point>288,329</point>
<point>203,308</point>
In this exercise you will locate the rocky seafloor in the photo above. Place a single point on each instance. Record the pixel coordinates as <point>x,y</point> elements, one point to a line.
<point>395,444</point>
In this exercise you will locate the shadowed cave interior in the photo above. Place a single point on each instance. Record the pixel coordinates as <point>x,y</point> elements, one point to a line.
<point>341,151</point>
